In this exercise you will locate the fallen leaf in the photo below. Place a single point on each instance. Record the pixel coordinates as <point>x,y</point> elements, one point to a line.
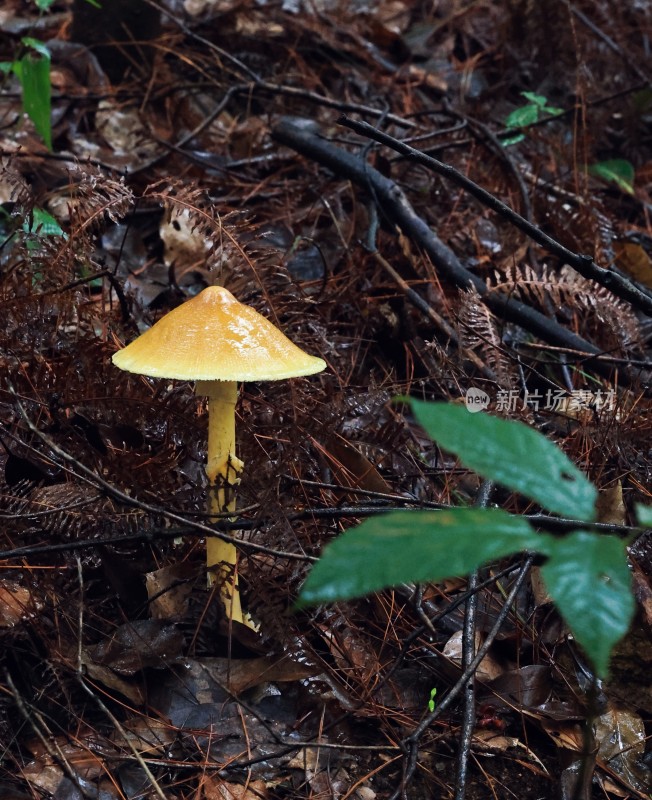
<point>241,674</point>
<point>620,735</point>
<point>610,505</point>
<point>216,789</point>
<point>16,603</point>
<point>635,261</point>
<point>352,468</point>
<point>139,644</point>
<point>487,670</point>
<point>169,591</point>
<point>568,736</point>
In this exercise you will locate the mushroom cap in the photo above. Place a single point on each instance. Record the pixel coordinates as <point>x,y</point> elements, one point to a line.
<point>214,337</point>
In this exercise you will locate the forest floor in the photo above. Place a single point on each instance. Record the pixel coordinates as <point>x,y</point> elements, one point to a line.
<point>221,143</point>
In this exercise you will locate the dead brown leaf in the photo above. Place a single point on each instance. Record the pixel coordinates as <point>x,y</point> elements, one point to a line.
<point>216,789</point>
<point>16,603</point>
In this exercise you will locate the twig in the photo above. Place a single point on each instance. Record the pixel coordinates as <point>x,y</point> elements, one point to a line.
<point>500,152</point>
<point>609,42</point>
<point>468,653</point>
<point>51,748</point>
<point>104,273</point>
<point>178,146</point>
<point>68,157</point>
<point>542,521</point>
<point>418,302</point>
<point>407,590</point>
<point>411,742</point>
<point>259,85</point>
<point>238,67</point>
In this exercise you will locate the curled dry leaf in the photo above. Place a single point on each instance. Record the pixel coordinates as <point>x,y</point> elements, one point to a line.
<point>610,505</point>
<point>16,603</point>
<point>488,669</point>
<point>216,789</point>
<point>169,590</point>
<point>185,244</point>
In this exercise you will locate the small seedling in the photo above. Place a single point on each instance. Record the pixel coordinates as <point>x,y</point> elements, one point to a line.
<point>431,702</point>
<point>528,114</point>
<point>586,573</point>
<point>618,171</point>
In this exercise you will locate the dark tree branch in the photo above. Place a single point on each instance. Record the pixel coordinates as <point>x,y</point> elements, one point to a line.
<point>301,135</point>
<point>583,264</point>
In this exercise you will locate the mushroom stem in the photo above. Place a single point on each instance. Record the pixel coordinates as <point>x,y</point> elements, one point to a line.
<point>223,469</point>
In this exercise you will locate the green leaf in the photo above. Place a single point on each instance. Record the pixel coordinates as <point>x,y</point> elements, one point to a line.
<point>414,546</point>
<point>6,67</point>
<point>511,454</point>
<point>509,140</point>
<point>522,117</point>
<point>34,75</point>
<point>618,171</point>
<point>644,515</point>
<point>43,5</point>
<point>33,72</point>
<point>36,44</point>
<point>42,223</point>
<point>589,581</point>
<point>536,99</point>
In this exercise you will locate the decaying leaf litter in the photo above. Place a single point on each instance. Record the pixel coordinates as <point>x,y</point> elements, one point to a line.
<point>214,155</point>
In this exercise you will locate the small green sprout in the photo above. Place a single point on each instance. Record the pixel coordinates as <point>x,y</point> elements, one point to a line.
<point>528,114</point>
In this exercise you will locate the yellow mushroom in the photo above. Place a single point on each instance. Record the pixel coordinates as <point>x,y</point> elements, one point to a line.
<point>216,341</point>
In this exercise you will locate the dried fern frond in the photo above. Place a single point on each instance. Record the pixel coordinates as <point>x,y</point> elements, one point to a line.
<point>479,330</point>
<point>601,316</point>
<point>223,233</point>
<point>579,226</point>
<point>96,197</point>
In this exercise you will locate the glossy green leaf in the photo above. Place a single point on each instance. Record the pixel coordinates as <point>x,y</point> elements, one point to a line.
<point>618,171</point>
<point>644,515</point>
<point>536,99</point>
<point>588,579</point>
<point>42,223</point>
<point>33,71</point>
<point>541,101</point>
<point>522,117</point>
<point>527,115</point>
<point>414,546</point>
<point>37,45</point>
<point>510,140</point>
<point>511,454</point>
